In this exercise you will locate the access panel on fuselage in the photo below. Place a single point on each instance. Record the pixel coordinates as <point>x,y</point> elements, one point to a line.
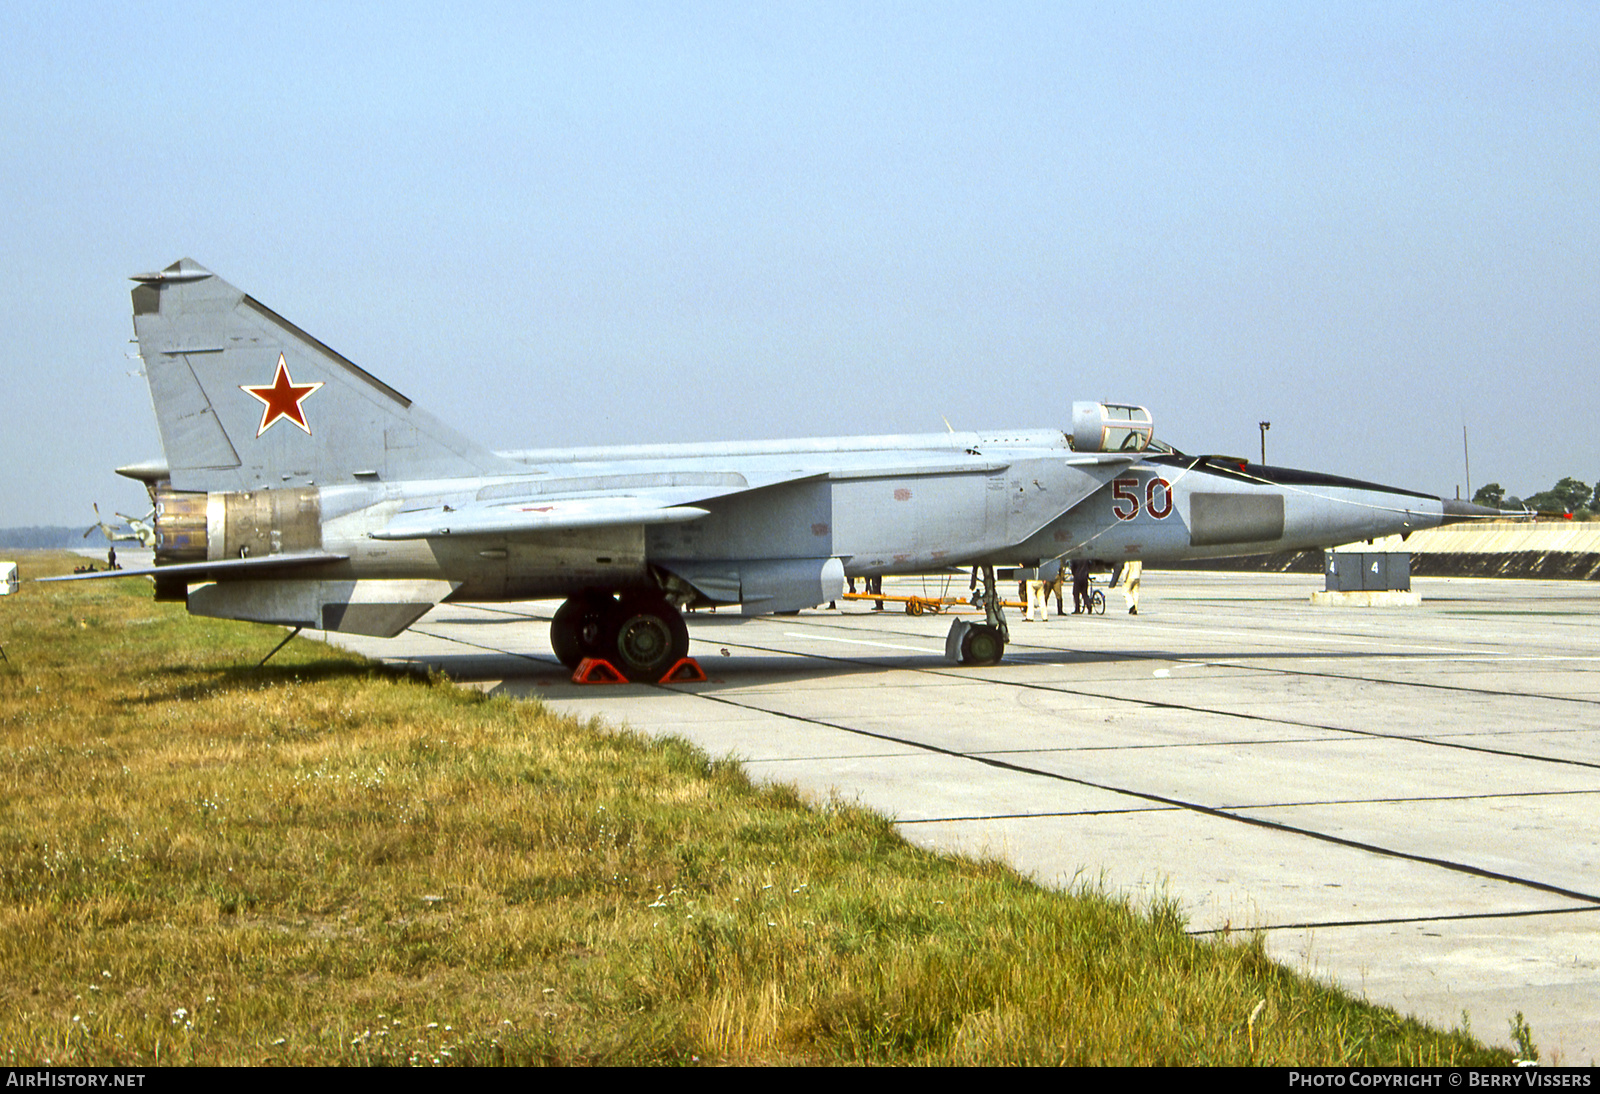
<point>906,522</point>
<point>793,520</point>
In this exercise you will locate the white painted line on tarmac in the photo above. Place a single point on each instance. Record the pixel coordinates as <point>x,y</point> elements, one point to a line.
<point>1302,636</point>
<point>1443,659</point>
<point>1162,674</point>
<point>1525,657</point>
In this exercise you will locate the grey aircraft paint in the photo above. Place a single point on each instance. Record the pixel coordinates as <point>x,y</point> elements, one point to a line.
<point>299,489</point>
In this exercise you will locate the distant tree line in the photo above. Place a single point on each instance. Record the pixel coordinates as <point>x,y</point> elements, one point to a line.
<point>39,537</point>
<point>1570,495</point>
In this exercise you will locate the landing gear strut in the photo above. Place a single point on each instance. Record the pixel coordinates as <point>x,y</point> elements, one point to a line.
<point>981,643</point>
<point>643,636</point>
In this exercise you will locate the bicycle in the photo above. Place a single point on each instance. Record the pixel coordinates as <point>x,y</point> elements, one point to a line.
<point>1096,599</point>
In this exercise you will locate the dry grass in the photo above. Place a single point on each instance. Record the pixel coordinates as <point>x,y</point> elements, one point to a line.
<point>323,862</point>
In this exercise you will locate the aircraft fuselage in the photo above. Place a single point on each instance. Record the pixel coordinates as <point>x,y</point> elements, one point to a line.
<point>934,501</point>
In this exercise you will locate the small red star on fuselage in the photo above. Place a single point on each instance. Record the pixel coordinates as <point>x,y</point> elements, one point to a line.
<point>281,399</point>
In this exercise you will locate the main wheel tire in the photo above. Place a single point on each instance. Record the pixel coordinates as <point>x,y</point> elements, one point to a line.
<point>982,645</point>
<point>584,626</point>
<point>650,638</point>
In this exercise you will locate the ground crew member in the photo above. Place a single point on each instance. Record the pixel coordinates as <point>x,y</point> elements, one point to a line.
<point>1058,587</point>
<point>1080,586</point>
<point>1036,597</point>
<point>1130,585</point>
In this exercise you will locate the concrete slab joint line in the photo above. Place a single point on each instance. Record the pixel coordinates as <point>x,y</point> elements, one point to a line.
<point>1403,800</point>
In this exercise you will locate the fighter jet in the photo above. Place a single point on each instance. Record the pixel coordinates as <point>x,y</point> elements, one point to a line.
<point>298,489</point>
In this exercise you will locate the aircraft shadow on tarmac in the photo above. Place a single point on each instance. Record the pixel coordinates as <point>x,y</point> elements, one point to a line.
<point>747,668</point>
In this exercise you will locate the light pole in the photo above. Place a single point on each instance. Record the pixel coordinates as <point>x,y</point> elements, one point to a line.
<point>1264,427</point>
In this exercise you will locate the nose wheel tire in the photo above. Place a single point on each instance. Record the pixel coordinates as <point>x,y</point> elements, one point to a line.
<point>982,645</point>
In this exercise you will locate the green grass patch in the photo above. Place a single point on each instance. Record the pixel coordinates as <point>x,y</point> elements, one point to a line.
<point>323,861</point>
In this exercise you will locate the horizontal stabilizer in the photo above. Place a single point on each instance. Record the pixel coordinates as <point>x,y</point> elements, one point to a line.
<point>217,568</point>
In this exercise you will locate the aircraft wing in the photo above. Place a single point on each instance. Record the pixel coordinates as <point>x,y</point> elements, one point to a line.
<point>534,515</point>
<point>583,501</point>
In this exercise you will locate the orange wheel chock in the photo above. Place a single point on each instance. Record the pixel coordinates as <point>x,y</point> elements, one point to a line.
<point>686,671</point>
<point>594,670</point>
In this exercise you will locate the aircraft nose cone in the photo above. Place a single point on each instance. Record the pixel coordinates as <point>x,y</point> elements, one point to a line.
<point>1457,511</point>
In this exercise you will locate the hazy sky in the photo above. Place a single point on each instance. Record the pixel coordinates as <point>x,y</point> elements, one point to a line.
<point>572,224</point>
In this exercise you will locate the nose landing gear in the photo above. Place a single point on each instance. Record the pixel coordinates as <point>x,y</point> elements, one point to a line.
<point>980,643</point>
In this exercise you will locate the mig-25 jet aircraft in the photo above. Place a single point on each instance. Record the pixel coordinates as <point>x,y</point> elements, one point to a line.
<point>299,489</point>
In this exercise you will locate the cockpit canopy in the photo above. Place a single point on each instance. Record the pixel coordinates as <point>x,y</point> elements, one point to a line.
<point>1111,427</point>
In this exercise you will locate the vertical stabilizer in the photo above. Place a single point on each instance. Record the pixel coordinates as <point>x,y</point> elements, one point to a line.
<point>246,400</point>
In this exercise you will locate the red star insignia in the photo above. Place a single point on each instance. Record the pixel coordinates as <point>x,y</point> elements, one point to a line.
<point>281,399</point>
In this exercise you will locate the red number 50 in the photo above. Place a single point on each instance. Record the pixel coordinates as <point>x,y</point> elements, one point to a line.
<point>1125,498</point>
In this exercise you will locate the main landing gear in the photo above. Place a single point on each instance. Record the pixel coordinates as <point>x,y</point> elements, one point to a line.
<point>642,635</point>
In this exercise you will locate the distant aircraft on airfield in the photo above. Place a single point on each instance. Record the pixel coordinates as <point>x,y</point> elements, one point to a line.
<point>140,531</point>
<point>300,490</point>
